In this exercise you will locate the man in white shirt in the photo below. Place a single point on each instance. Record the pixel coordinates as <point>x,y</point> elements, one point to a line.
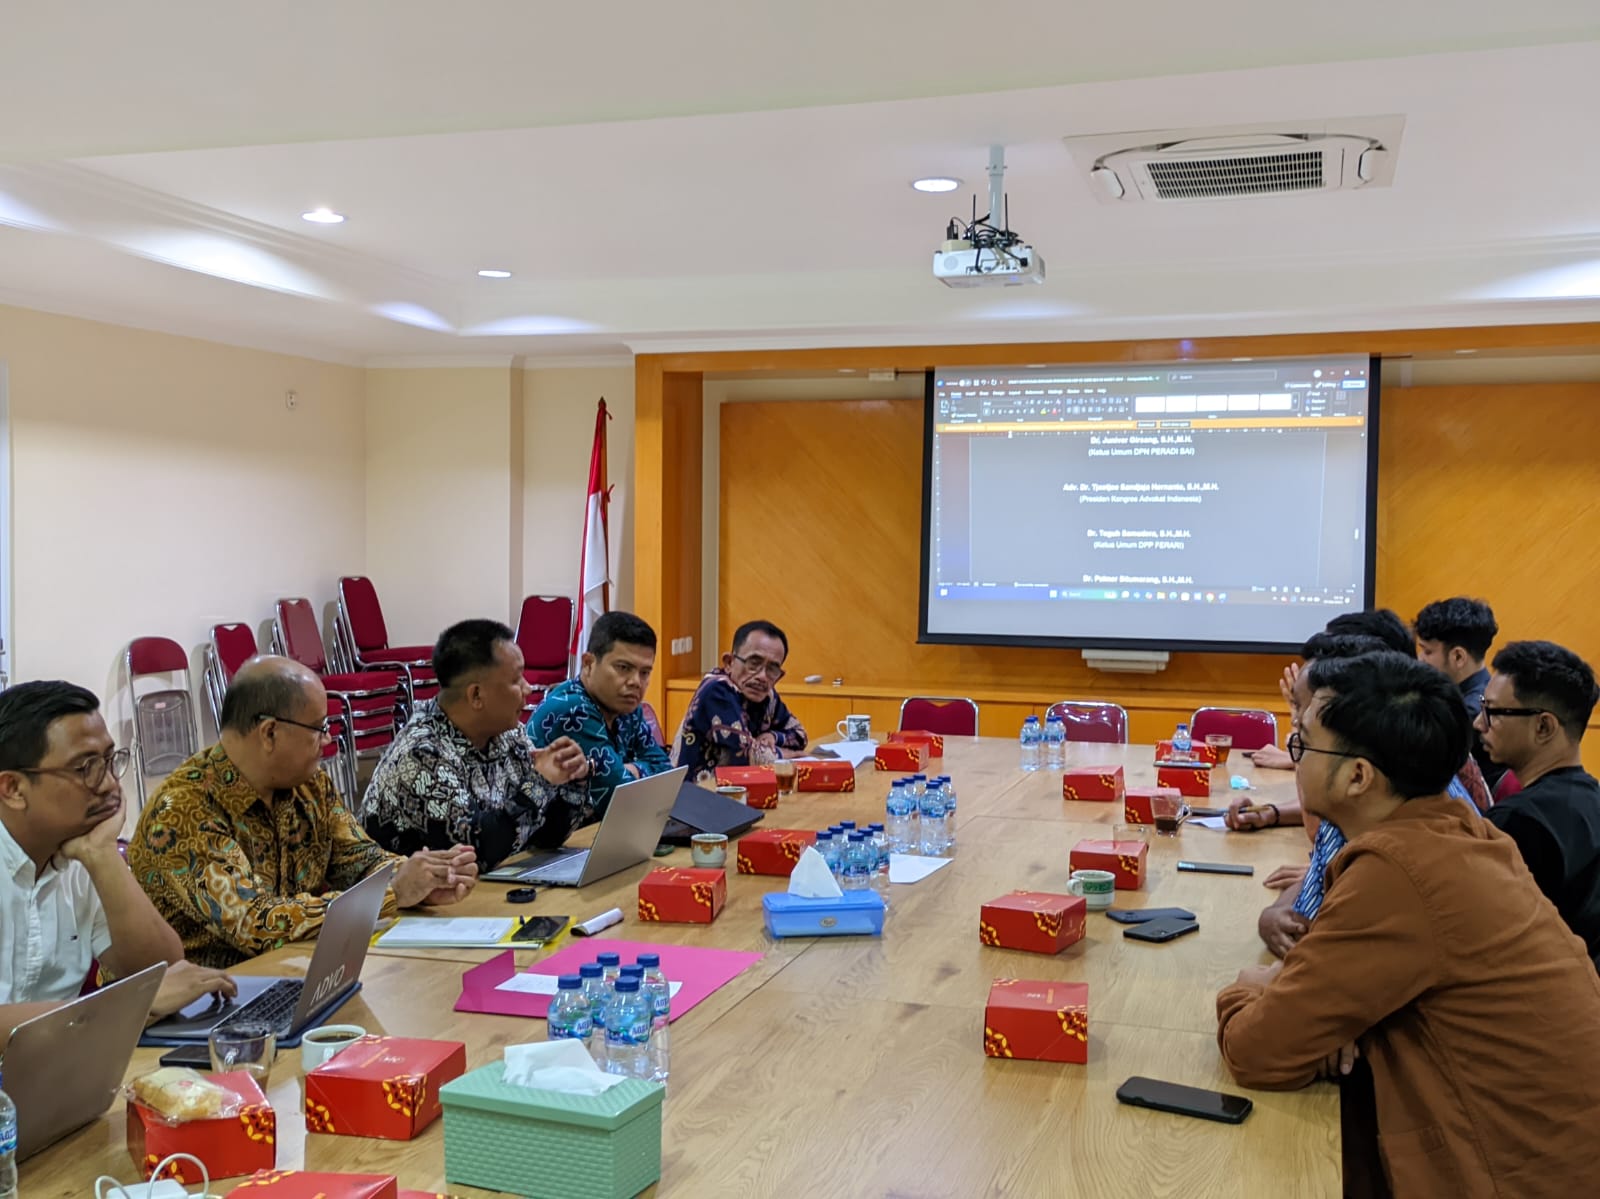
<point>66,896</point>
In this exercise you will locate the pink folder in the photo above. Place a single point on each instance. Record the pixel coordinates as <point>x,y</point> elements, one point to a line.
<point>700,970</point>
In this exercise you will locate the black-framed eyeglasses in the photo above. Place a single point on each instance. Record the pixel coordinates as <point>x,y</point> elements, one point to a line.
<point>761,666</point>
<point>91,772</point>
<point>324,729</point>
<point>1490,713</point>
<point>1297,747</point>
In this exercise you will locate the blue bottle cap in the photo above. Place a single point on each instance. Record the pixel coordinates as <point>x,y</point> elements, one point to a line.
<point>875,827</point>
<point>919,778</point>
<point>627,984</point>
<point>609,960</point>
<point>824,835</point>
<point>649,960</point>
<point>847,825</point>
<point>569,982</point>
<point>856,838</point>
<point>633,971</point>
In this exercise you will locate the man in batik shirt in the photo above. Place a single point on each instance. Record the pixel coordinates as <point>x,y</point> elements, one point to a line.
<point>463,772</point>
<point>736,712</point>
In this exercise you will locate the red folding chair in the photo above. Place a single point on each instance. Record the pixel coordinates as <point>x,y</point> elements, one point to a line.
<point>1092,720</point>
<point>164,730</point>
<point>362,641</point>
<point>948,715</point>
<point>1250,728</point>
<point>544,634</point>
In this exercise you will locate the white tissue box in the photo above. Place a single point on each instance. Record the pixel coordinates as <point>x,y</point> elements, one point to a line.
<point>855,913</point>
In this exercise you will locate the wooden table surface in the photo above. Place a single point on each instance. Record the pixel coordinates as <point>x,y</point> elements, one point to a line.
<point>854,1066</point>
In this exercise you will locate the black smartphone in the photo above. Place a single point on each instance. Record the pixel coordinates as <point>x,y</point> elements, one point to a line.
<point>539,929</point>
<point>1197,810</point>
<point>1215,868</point>
<point>198,1056</point>
<point>1145,915</point>
<point>1160,931</point>
<point>1185,1101</point>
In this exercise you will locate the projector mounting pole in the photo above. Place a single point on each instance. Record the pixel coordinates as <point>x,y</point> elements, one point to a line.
<point>997,185</point>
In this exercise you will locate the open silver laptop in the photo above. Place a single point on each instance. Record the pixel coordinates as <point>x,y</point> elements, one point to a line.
<point>628,834</point>
<point>293,1005</point>
<point>63,1069</point>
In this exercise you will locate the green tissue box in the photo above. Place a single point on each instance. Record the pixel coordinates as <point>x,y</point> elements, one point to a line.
<point>548,1145</point>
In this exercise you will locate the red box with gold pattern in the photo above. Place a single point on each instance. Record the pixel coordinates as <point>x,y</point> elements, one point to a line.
<point>906,756</point>
<point>1192,782</point>
<point>933,741</point>
<point>773,850</point>
<point>823,775</point>
<point>1211,755</point>
<point>1038,1021</point>
<point>385,1087</point>
<point>760,783</point>
<point>1037,921</point>
<point>678,896</point>
<point>314,1184</point>
<point>1137,801</point>
<point>232,1145</point>
<point>1125,859</point>
<point>1093,783</point>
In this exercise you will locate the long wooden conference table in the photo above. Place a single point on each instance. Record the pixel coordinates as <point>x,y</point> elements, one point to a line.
<point>855,1066</point>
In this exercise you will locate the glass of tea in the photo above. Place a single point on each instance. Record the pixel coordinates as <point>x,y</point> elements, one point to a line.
<point>784,769</point>
<point>1169,811</point>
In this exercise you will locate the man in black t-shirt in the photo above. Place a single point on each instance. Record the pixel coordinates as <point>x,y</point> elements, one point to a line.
<point>1532,720</point>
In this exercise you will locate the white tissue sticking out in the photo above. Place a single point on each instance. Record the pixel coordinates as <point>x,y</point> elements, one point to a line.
<point>812,879</point>
<point>563,1066</point>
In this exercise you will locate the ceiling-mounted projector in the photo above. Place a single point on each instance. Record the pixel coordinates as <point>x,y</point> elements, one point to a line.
<point>977,253</point>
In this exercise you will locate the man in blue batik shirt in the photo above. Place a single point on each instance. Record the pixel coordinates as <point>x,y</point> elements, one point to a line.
<point>600,709</point>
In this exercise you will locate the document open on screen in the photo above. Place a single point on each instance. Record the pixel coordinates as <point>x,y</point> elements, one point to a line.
<point>1214,505</point>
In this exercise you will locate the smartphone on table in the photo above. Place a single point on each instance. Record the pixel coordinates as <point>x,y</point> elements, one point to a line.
<point>1215,868</point>
<point>1168,928</point>
<point>1184,1101</point>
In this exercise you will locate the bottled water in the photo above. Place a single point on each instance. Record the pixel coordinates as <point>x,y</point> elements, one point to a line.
<point>1182,745</point>
<point>1032,734</point>
<point>8,1147</point>
<point>878,839</point>
<point>828,846</point>
<point>858,864</point>
<point>628,1031</point>
<point>949,814</point>
<point>569,1012</point>
<point>846,827</point>
<point>598,995</point>
<point>917,784</point>
<point>633,970</point>
<point>901,825</point>
<point>1055,743</point>
<point>933,817</point>
<point>660,994</point>
<point>610,967</point>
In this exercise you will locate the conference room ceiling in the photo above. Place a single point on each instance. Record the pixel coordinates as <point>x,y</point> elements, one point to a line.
<point>727,175</point>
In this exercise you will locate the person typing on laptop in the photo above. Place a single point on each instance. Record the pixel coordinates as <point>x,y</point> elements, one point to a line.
<point>244,845</point>
<point>463,771</point>
<point>66,896</point>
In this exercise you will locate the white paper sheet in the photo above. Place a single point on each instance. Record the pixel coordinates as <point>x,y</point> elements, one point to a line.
<point>854,752</point>
<point>1208,821</point>
<point>417,932</point>
<point>912,868</point>
<point>545,984</point>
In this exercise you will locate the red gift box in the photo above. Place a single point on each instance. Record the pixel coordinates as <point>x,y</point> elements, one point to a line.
<point>1092,782</point>
<point>679,896</point>
<point>1039,1021</point>
<point>1211,755</point>
<point>824,775</point>
<point>1193,782</point>
<point>905,756</point>
<point>1137,803</point>
<point>312,1184</point>
<point>933,741</point>
<point>773,850</point>
<point>1033,920</point>
<point>384,1087</point>
<point>760,783</point>
<point>1125,859</point>
<point>241,1143</point>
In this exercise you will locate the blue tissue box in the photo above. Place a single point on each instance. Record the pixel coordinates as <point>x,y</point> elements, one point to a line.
<point>855,913</point>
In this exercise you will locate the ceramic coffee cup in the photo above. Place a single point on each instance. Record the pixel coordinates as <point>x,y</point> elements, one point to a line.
<point>321,1044</point>
<point>734,792</point>
<point>709,850</point>
<point>1096,887</point>
<point>855,728</point>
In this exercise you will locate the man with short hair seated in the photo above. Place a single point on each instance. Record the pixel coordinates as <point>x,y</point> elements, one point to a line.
<point>462,771</point>
<point>1532,720</point>
<point>736,712</point>
<point>243,847</point>
<point>66,896</point>
<point>1435,958</point>
<point>600,709</point>
<point>1454,635</point>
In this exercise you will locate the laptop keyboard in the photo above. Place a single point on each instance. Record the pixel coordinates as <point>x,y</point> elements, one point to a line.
<point>566,870</point>
<point>273,1007</point>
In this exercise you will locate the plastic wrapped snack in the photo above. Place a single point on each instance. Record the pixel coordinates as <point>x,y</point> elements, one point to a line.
<point>178,1095</point>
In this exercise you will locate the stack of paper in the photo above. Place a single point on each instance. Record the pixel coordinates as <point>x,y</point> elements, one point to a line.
<point>434,932</point>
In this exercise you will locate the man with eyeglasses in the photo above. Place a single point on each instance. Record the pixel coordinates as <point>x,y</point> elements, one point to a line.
<point>1434,959</point>
<point>736,717</point>
<point>1532,721</point>
<point>244,846</point>
<point>66,896</point>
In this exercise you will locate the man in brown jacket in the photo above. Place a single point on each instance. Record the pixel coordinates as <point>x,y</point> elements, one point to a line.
<point>1435,956</point>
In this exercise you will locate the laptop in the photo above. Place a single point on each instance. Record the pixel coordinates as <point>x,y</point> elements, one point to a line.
<point>701,810</point>
<point>629,833</point>
<point>64,1068</point>
<point>293,1005</point>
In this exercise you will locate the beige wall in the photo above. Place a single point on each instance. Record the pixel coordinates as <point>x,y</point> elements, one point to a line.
<point>161,485</point>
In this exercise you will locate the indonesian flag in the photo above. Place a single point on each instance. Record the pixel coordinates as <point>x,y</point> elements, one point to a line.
<point>594,568</point>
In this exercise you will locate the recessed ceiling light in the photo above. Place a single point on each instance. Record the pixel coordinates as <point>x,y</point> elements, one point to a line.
<point>323,216</point>
<point>495,274</point>
<point>937,183</point>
